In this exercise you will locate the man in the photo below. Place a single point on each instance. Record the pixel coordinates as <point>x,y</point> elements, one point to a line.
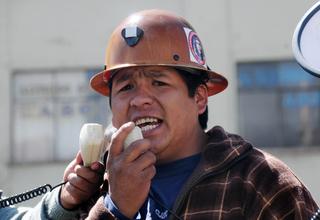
<point>63,202</point>
<point>157,78</point>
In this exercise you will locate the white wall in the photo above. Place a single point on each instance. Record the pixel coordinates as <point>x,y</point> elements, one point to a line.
<point>262,30</point>
<point>73,34</point>
<point>4,93</point>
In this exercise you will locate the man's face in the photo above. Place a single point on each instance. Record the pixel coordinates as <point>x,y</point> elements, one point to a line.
<point>156,99</point>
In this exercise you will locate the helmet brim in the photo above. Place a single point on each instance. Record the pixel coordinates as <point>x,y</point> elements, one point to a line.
<point>99,82</point>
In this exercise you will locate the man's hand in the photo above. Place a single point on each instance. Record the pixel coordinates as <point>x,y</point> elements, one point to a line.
<point>83,182</point>
<point>129,171</point>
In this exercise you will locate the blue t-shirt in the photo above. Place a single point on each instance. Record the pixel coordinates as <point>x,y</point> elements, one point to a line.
<point>165,187</point>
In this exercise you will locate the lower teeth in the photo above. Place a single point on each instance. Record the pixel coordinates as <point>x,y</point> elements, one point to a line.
<point>148,127</point>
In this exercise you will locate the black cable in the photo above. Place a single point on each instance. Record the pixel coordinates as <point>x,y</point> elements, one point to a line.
<point>60,184</point>
<point>27,195</point>
<point>44,189</point>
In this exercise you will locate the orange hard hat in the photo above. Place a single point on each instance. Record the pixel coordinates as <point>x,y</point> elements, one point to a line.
<point>155,38</point>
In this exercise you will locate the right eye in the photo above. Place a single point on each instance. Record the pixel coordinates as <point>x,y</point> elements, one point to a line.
<point>126,88</point>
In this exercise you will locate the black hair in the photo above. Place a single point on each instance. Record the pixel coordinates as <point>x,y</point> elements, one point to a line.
<point>193,80</point>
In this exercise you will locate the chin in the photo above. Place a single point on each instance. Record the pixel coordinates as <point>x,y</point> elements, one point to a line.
<point>156,147</point>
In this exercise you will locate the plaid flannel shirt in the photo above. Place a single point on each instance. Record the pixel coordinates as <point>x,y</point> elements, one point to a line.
<point>234,180</point>
<point>237,181</point>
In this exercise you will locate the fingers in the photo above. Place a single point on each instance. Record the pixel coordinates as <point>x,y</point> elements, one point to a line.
<point>130,170</point>
<point>69,168</point>
<point>136,149</point>
<point>71,195</point>
<point>130,154</point>
<point>97,167</point>
<point>118,138</point>
<point>148,173</point>
<point>88,174</point>
<point>84,186</point>
<point>77,187</point>
<point>146,160</point>
<point>83,182</point>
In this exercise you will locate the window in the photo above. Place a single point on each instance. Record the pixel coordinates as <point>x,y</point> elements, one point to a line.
<point>48,110</point>
<point>279,104</point>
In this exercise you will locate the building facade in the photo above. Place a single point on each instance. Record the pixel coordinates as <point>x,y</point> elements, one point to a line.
<point>50,49</point>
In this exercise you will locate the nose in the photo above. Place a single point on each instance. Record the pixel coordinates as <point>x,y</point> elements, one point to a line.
<point>141,98</point>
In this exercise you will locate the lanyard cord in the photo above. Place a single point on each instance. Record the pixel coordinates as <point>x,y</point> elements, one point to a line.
<point>163,206</point>
<point>316,215</point>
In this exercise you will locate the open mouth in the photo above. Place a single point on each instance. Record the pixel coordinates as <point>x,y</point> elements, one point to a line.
<point>148,123</point>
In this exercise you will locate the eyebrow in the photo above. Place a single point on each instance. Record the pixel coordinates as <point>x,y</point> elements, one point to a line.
<point>147,73</point>
<point>123,77</point>
<point>155,73</point>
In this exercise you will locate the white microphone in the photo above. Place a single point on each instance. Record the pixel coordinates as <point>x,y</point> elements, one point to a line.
<point>134,135</point>
<point>91,143</point>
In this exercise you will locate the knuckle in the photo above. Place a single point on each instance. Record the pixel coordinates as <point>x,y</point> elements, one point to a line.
<point>152,157</point>
<point>114,139</point>
<point>78,168</point>
<point>67,187</point>
<point>116,167</point>
<point>71,177</point>
<point>120,134</point>
<point>131,171</point>
<point>149,173</point>
<point>141,145</point>
<point>90,174</point>
<point>153,171</point>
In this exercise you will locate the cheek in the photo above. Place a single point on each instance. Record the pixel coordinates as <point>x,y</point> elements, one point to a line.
<point>190,112</point>
<point>179,107</point>
<point>118,113</point>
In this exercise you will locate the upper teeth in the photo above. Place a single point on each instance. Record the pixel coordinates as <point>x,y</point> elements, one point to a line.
<point>145,127</point>
<point>145,120</point>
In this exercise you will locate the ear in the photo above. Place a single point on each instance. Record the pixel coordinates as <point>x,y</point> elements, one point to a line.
<point>201,98</point>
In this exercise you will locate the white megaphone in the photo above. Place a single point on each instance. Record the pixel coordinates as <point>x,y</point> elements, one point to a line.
<point>306,41</point>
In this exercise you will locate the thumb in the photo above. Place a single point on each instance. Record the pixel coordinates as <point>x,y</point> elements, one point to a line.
<point>118,138</point>
<point>70,168</point>
<point>78,159</point>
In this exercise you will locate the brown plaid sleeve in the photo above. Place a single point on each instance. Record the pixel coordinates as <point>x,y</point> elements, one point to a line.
<point>260,187</point>
<point>238,181</point>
